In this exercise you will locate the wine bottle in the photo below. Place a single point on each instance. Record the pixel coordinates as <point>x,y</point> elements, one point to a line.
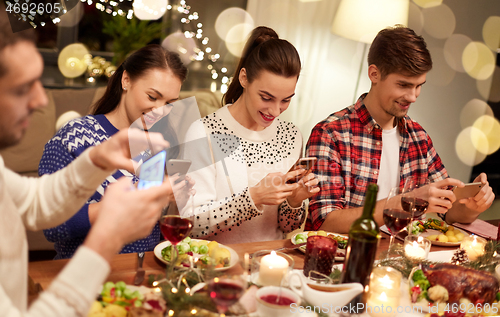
<point>364,235</point>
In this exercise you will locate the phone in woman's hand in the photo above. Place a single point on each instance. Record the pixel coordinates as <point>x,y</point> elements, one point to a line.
<point>306,163</point>
<point>176,166</point>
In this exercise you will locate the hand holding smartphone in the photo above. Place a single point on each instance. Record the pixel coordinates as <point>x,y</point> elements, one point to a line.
<point>469,190</point>
<point>176,166</point>
<point>306,163</point>
<point>152,171</point>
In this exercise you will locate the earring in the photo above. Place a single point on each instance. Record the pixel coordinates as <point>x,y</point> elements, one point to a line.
<point>124,88</point>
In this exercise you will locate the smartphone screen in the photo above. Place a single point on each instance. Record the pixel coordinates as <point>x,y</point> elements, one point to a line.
<point>152,171</point>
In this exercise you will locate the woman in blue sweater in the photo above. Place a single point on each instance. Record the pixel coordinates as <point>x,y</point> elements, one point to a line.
<point>149,79</point>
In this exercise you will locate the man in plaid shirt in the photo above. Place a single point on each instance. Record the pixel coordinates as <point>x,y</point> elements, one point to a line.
<point>374,141</point>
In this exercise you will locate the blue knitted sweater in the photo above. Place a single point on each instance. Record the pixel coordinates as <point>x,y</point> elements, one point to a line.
<point>68,143</point>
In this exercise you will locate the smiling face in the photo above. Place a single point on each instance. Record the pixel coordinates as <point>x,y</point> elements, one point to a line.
<point>20,89</point>
<point>263,99</point>
<point>392,96</point>
<point>148,97</point>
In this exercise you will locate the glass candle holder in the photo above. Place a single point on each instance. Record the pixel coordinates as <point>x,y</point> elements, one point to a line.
<point>385,279</point>
<point>417,247</point>
<point>320,256</point>
<point>271,268</point>
<point>384,292</point>
<point>473,246</point>
<point>379,304</point>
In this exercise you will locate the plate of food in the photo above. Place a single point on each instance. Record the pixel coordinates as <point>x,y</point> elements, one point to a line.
<point>122,300</point>
<point>445,286</point>
<point>341,240</point>
<point>204,253</point>
<point>439,232</point>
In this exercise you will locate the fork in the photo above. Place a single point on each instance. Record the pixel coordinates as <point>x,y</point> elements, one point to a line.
<point>139,275</point>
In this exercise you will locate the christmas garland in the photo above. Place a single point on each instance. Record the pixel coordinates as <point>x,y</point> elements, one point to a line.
<point>396,258</point>
<point>182,302</point>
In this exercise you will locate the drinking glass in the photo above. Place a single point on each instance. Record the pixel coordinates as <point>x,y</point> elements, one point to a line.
<point>174,229</point>
<point>225,291</point>
<point>395,217</point>
<point>418,201</point>
<point>320,256</point>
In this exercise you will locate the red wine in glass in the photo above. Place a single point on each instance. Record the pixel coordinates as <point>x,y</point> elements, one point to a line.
<point>396,219</point>
<point>225,292</point>
<point>175,228</point>
<point>419,208</point>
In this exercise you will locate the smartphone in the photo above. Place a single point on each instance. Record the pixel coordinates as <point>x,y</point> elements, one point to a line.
<point>470,190</point>
<point>306,163</point>
<point>152,171</point>
<point>176,166</point>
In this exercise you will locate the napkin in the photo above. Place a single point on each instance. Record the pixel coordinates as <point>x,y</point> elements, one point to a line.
<point>481,228</point>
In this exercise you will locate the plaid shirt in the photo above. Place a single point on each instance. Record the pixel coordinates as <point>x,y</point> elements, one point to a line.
<point>348,145</point>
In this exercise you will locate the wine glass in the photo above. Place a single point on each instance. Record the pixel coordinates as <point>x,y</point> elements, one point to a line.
<point>174,229</point>
<point>225,291</point>
<point>415,199</point>
<point>395,217</point>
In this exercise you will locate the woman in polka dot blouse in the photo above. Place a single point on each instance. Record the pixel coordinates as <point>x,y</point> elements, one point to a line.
<point>242,194</point>
<point>148,80</point>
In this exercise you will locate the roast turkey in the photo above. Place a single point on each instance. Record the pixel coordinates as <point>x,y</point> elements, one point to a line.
<point>461,282</point>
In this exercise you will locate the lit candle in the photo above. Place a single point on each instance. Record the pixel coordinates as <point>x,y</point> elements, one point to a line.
<point>381,305</point>
<point>417,248</point>
<point>474,246</point>
<point>272,269</point>
<point>385,279</point>
<point>412,250</point>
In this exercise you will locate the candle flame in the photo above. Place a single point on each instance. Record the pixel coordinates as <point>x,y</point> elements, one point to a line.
<point>415,244</point>
<point>273,253</point>
<point>386,280</point>
<point>383,297</point>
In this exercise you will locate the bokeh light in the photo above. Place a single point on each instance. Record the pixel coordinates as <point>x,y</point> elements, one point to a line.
<point>229,18</point>
<point>428,3</point>
<point>490,127</point>
<point>478,60</point>
<point>185,47</point>
<point>236,38</point>
<point>473,110</point>
<point>149,9</point>
<point>485,86</point>
<point>415,18</point>
<point>439,21</point>
<point>453,50</point>
<point>491,32</point>
<point>441,74</point>
<point>465,146</point>
<point>71,60</point>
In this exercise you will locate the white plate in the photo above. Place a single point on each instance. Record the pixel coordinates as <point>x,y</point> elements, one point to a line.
<point>431,232</point>
<point>303,248</point>
<point>234,256</point>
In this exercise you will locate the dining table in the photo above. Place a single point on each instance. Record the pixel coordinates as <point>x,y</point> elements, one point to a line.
<point>124,266</point>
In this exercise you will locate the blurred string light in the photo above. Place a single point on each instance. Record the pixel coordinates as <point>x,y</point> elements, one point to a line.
<point>155,9</point>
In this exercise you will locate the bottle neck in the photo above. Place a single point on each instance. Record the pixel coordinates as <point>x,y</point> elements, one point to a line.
<point>370,202</point>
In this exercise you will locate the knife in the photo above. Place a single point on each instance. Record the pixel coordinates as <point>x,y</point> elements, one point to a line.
<point>287,248</point>
<point>139,275</point>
